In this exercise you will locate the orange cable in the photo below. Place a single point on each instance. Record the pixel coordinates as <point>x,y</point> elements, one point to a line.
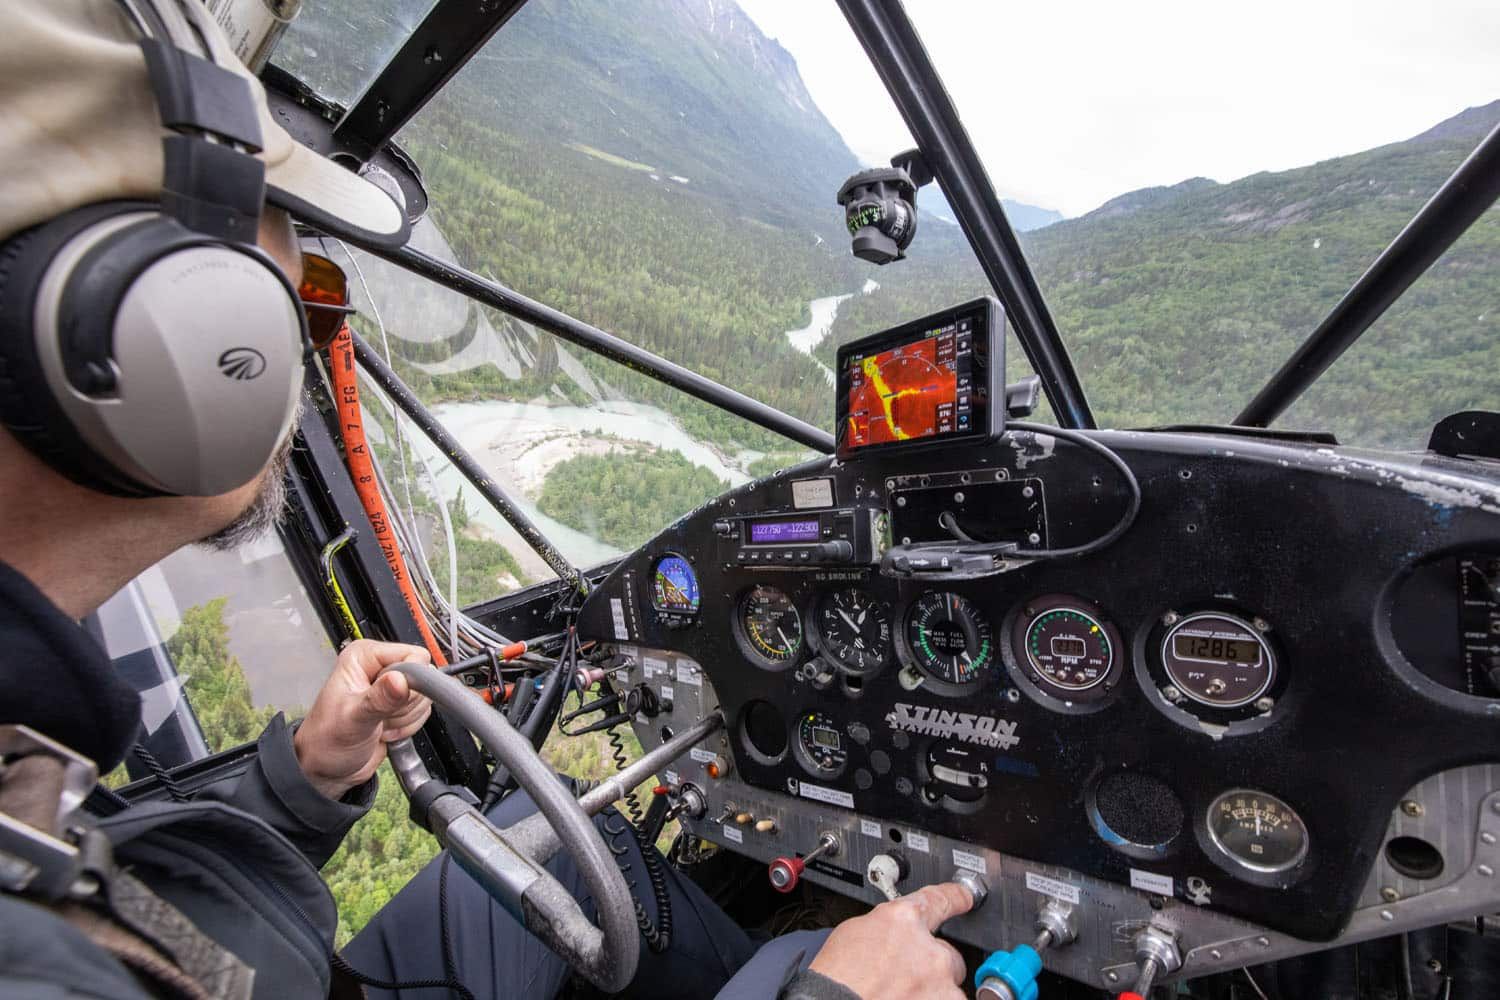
<point>362,469</point>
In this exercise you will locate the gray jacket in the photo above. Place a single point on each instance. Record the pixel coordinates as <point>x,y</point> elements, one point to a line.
<point>240,860</point>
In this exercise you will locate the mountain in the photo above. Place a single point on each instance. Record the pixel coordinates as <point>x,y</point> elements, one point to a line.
<point>1177,303</point>
<point>931,204</point>
<point>656,167</point>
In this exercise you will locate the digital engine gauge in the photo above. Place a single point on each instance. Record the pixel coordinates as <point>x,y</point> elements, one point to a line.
<point>771,624</point>
<point>820,746</point>
<point>1257,831</point>
<point>855,630</point>
<point>949,638</point>
<point>1069,649</point>
<point>1218,660</point>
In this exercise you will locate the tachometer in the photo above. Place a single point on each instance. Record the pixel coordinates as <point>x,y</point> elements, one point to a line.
<point>820,747</point>
<point>856,632</point>
<point>1068,649</point>
<point>949,638</point>
<point>1257,831</point>
<point>771,623</point>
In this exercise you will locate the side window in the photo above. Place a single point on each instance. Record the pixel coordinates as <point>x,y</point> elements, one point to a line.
<point>216,643</point>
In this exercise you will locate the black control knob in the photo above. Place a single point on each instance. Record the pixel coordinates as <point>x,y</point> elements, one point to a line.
<point>723,528</point>
<point>836,551</point>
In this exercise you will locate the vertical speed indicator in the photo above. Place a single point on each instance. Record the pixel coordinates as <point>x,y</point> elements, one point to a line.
<point>949,638</point>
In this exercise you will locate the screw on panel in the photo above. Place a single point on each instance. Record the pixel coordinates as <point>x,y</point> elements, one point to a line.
<point>1261,625</point>
<point>1028,492</point>
<point>1412,808</point>
<point>1170,618</point>
<point>890,484</point>
<point>1171,694</point>
<point>958,497</point>
<point>901,501</point>
<point>1264,942</point>
<point>1034,538</point>
<point>1389,895</point>
<point>1265,704</point>
<point>1013,695</point>
<point>1487,837</point>
<point>1113,977</point>
<point>1387,916</point>
<point>1215,954</point>
<point>1485,870</point>
<point>1434,965</point>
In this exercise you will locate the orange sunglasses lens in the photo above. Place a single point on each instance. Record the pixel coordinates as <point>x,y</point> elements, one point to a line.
<point>325,298</point>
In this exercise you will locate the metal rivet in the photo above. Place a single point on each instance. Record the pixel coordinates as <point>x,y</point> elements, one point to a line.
<point>1261,625</point>
<point>1387,915</point>
<point>1389,895</point>
<point>1265,704</point>
<point>958,497</point>
<point>1264,942</point>
<point>1487,837</point>
<point>1113,977</point>
<point>901,501</point>
<point>1412,808</point>
<point>1170,618</point>
<point>1034,538</point>
<point>1486,870</point>
<point>890,484</point>
<point>1215,954</point>
<point>1028,492</point>
<point>1171,694</point>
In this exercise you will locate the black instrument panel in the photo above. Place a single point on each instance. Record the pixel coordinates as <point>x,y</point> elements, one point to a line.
<point>1219,698</point>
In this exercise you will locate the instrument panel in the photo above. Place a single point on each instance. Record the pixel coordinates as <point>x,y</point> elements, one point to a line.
<point>1200,666</point>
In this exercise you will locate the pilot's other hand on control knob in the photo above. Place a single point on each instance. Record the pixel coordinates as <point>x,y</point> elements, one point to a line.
<point>890,953</point>
<point>357,713</point>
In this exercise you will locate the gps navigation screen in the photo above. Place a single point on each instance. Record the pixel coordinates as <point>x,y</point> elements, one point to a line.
<point>927,380</point>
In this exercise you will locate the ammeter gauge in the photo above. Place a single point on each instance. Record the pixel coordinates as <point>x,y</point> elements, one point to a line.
<point>1257,831</point>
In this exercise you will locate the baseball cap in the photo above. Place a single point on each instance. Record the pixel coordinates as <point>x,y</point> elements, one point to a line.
<point>79,122</point>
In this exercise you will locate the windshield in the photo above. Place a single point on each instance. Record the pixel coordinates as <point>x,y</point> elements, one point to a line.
<point>666,171</point>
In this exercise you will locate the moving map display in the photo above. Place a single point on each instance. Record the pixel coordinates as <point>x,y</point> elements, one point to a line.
<point>925,381</point>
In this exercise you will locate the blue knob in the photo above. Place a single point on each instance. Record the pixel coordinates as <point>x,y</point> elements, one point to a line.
<point>1016,968</point>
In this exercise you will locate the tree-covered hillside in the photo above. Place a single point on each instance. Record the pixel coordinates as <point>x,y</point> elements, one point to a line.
<point>1178,303</point>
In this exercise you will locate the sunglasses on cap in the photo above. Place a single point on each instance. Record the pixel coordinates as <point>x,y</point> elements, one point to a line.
<point>325,298</point>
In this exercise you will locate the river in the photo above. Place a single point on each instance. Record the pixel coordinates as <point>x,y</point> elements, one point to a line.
<point>518,443</point>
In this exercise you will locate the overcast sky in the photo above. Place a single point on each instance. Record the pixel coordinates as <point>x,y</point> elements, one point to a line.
<point>1072,103</point>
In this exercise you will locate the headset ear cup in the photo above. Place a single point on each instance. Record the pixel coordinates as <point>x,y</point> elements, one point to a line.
<point>28,408</point>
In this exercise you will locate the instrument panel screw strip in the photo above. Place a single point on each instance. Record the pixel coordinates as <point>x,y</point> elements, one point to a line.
<point>1412,808</point>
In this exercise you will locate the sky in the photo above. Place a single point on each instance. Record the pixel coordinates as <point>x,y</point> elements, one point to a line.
<point>1072,103</point>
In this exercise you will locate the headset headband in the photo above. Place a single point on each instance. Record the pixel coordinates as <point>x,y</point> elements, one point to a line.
<point>212,181</point>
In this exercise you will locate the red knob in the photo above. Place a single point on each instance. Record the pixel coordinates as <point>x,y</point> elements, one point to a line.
<point>1130,995</point>
<point>785,872</point>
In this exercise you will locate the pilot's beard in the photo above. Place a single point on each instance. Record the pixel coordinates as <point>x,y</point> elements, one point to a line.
<point>264,511</point>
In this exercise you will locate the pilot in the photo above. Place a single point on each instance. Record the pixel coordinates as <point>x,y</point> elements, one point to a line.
<point>130,252</point>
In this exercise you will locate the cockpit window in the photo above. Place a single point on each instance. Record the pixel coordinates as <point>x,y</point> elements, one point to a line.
<point>337,48</point>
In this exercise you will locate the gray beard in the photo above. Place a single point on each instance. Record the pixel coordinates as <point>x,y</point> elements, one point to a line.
<point>264,511</point>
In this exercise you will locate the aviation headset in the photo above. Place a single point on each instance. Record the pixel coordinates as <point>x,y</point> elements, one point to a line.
<point>152,349</point>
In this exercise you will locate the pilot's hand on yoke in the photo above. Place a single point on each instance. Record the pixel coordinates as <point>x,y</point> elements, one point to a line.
<point>890,953</point>
<point>343,739</point>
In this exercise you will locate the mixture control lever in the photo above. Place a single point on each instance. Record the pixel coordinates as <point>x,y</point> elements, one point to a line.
<point>785,872</point>
<point>1011,975</point>
<point>1156,952</point>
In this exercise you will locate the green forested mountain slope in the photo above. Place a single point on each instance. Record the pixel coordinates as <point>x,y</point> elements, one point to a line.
<point>552,160</point>
<point>1177,303</point>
